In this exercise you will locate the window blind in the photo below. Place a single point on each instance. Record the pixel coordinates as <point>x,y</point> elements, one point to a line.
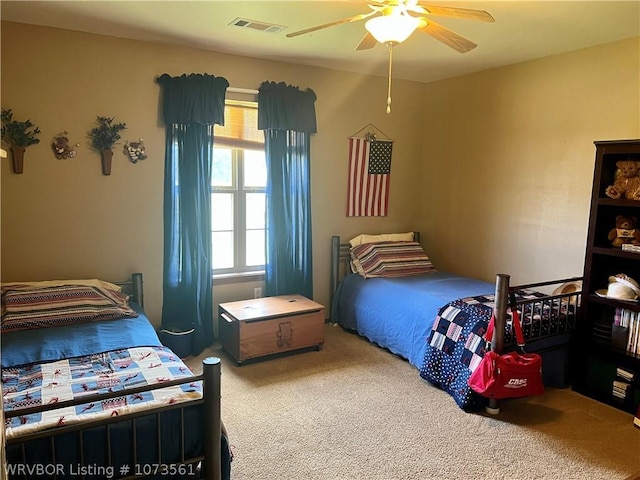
<point>240,128</point>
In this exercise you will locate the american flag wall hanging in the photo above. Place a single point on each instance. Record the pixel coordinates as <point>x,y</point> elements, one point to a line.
<point>369,177</point>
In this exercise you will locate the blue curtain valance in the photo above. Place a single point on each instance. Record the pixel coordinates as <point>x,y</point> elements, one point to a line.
<point>194,98</point>
<point>284,107</point>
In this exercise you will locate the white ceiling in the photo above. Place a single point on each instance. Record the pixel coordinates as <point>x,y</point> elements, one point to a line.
<point>523,30</point>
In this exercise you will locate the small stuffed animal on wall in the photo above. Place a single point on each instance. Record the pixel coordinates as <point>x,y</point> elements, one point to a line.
<point>626,231</point>
<point>627,182</point>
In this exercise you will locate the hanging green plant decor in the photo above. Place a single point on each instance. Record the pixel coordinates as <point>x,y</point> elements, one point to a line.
<point>18,135</point>
<point>106,134</point>
<point>104,137</point>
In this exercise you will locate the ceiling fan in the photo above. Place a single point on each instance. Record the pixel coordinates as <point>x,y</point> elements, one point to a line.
<point>393,21</point>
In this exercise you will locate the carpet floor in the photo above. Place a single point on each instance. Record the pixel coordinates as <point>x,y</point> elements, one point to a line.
<point>354,411</point>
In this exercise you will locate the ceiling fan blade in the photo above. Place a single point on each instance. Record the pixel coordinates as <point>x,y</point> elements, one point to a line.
<point>448,37</point>
<point>453,12</point>
<point>367,42</point>
<point>418,9</point>
<point>331,24</point>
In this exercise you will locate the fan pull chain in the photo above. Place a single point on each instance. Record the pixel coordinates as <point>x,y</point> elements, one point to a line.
<point>389,91</point>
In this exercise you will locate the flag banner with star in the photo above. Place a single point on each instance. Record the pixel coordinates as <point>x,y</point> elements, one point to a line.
<point>369,177</point>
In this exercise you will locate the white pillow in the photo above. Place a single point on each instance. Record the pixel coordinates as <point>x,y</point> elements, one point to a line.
<point>383,237</point>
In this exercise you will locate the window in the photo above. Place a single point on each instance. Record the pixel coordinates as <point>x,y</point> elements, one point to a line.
<point>238,194</point>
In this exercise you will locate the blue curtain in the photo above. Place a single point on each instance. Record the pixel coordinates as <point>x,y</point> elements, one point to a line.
<point>192,104</point>
<point>287,115</point>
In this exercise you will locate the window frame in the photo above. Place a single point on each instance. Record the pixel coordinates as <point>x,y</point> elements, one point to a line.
<point>239,192</point>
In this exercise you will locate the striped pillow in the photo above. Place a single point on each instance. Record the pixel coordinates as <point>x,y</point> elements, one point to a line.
<point>25,307</point>
<point>390,259</point>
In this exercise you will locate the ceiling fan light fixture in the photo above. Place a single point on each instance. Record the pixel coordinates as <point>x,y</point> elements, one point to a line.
<point>394,28</point>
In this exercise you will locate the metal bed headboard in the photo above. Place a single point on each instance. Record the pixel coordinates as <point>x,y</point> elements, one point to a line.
<point>134,287</point>
<point>341,262</point>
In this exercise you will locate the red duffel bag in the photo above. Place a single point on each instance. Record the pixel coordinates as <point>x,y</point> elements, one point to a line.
<point>508,375</point>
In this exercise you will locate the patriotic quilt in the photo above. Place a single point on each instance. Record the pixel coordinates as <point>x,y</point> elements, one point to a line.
<point>456,342</point>
<point>77,378</point>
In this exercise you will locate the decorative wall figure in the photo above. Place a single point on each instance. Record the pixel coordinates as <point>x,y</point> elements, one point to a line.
<point>135,150</point>
<point>61,148</point>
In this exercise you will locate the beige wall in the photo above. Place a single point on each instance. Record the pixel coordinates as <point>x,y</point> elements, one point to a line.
<point>509,156</point>
<point>494,168</point>
<point>63,218</point>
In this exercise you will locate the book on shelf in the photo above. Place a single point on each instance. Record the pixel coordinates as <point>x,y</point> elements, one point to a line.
<point>625,374</point>
<point>629,320</point>
<point>620,389</point>
<point>628,247</point>
<point>621,386</point>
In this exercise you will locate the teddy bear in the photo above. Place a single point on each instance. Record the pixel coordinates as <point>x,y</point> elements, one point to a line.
<point>627,181</point>
<point>626,231</point>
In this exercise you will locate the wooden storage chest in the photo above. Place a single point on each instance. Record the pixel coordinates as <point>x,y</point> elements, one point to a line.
<point>265,326</point>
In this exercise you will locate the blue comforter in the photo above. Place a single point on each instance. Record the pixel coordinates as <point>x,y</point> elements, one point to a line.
<point>50,344</point>
<point>398,313</point>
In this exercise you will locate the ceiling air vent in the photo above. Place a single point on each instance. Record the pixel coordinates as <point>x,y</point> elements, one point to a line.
<point>255,25</point>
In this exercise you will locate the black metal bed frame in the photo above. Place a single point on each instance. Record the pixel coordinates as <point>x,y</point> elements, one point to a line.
<point>340,266</point>
<point>207,465</point>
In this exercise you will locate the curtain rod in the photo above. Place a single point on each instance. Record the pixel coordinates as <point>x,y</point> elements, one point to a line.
<point>242,90</point>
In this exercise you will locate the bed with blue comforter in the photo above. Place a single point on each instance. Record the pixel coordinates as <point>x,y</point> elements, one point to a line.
<point>395,298</point>
<point>88,387</point>
<point>398,313</point>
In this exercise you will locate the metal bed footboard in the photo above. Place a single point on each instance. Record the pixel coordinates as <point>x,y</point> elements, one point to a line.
<point>553,314</point>
<point>207,464</point>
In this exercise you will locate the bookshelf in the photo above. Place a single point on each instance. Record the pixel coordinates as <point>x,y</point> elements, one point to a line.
<point>606,353</point>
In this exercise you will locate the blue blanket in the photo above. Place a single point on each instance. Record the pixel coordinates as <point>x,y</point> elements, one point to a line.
<point>55,343</point>
<point>437,320</point>
<point>398,313</point>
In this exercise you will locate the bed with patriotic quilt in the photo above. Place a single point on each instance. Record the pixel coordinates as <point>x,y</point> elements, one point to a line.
<point>390,293</point>
<point>456,344</point>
